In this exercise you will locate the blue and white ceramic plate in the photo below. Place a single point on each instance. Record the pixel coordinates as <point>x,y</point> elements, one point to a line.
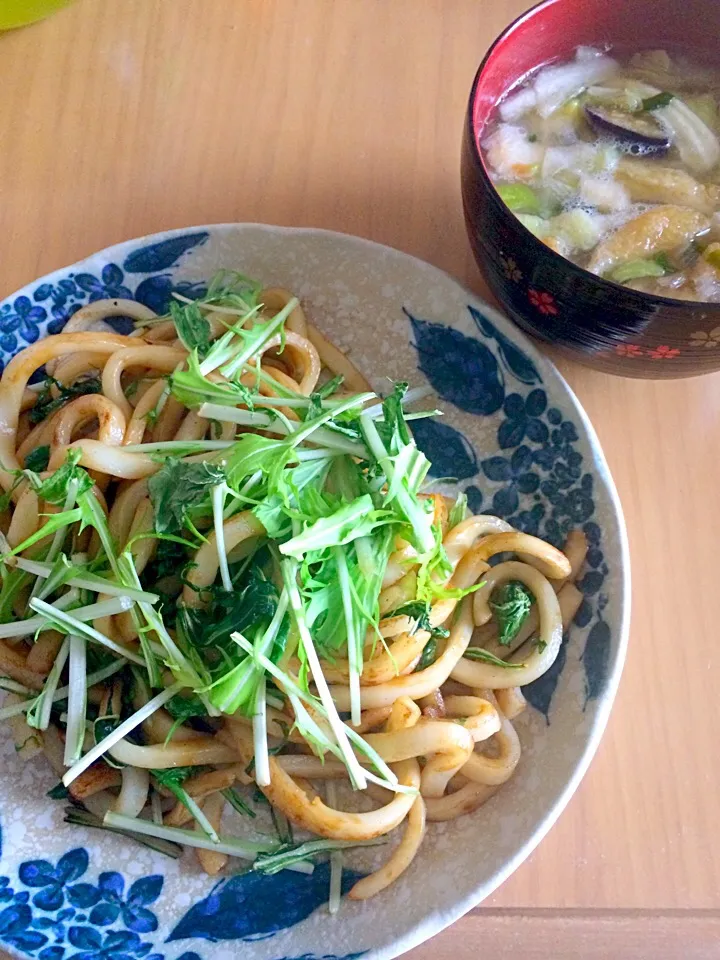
<point>523,448</point>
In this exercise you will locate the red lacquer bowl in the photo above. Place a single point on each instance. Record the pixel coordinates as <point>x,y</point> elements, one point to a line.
<point>591,320</point>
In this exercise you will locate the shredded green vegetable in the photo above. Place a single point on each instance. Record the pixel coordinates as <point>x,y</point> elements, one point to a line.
<point>636,269</point>
<point>511,605</point>
<point>478,653</point>
<point>661,99</point>
<point>38,459</point>
<point>260,558</point>
<point>55,395</point>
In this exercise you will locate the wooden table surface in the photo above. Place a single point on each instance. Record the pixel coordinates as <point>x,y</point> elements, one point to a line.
<point>124,117</point>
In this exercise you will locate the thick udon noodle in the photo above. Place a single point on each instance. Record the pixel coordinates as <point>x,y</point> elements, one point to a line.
<point>446,730</point>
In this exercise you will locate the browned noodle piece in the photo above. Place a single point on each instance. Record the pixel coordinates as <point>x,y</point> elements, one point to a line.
<point>275,298</point>
<point>13,664</point>
<point>314,815</point>
<point>43,652</point>
<point>211,861</point>
<point>336,361</point>
<point>466,800</point>
<point>156,358</point>
<point>18,372</point>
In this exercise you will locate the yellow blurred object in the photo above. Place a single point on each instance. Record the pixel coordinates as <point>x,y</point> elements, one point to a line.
<point>18,13</point>
<point>711,254</point>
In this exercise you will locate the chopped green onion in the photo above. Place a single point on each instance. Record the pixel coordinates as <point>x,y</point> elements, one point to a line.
<point>665,262</point>
<point>636,269</point>
<point>659,100</point>
<point>519,198</point>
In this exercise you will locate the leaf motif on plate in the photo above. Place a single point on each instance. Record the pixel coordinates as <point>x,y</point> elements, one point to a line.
<point>595,658</point>
<point>540,692</point>
<point>450,452</point>
<point>461,369</point>
<point>156,292</point>
<point>14,923</point>
<point>591,583</point>
<point>506,501</point>
<point>245,907</point>
<point>531,470</point>
<point>164,254</point>
<point>327,956</point>
<point>515,360</point>
<point>475,498</point>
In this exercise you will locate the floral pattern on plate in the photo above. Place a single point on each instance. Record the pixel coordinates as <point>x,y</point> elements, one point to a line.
<point>513,436</point>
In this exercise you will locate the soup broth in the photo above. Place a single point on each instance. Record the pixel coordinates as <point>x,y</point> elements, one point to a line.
<point>615,164</point>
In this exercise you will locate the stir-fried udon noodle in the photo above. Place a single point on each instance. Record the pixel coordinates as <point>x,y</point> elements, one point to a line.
<point>225,587</point>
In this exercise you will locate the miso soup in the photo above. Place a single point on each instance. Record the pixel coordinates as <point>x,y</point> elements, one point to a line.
<point>615,164</point>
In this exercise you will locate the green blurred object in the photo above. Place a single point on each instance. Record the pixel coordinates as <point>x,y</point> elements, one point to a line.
<point>637,269</point>
<point>518,197</point>
<point>18,13</point>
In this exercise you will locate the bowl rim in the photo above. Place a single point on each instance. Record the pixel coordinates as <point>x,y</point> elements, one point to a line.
<point>652,299</point>
<point>439,919</point>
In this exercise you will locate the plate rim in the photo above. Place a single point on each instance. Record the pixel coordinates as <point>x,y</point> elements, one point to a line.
<point>439,920</point>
